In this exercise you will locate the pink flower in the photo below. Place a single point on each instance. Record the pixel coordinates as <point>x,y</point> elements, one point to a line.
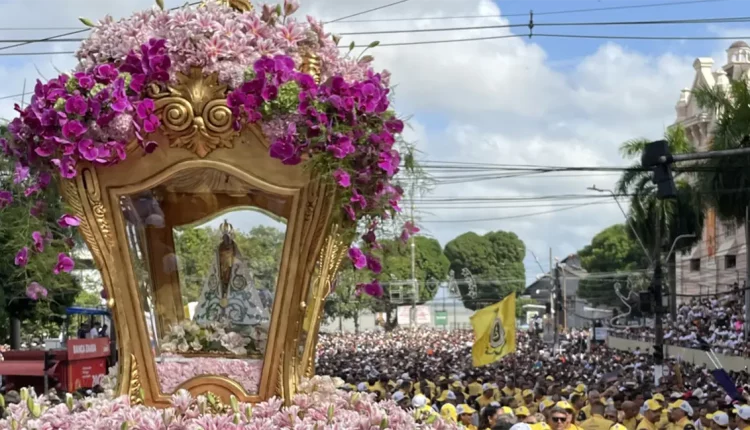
<point>21,173</point>
<point>373,264</point>
<point>389,161</point>
<point>342,178</point>
<point>64,264</point>
<point>38,241</point>
<point>373,289</point>
<point>68,221</point>
<point>357,257</point>
<point>349,210</point>
<point>22,257</point>
<point>6,198</point>
<point>34,291</point>
<point>408,231</point>
<point>359,198</point>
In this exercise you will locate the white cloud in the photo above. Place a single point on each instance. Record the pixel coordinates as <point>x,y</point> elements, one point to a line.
<point>496,101</point>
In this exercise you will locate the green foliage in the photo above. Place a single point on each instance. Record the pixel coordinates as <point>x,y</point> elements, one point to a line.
<point>343,302</point>
<point>430,264</point>
<point>612,251</point>
<point>520,312</point>
<point>16,227</point>
<point>88,299</point>
<point>495,260</point>
<point>679,216</point>
<point>725,181</point>
<point>196,251</point>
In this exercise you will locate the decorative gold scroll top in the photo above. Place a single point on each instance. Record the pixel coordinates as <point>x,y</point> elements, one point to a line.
<point>194,113</point>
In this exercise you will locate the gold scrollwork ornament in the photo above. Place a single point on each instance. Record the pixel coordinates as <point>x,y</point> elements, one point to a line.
<point>135,391</point>
<point>194,113</point>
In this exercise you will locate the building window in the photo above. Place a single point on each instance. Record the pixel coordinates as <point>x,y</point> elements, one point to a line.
<point>730,261</point>
<point>695,265</point>
<point>730,228</point>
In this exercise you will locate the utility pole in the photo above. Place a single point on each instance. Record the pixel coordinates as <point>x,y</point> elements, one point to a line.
<point>658,308</point>
<point>559,303</point>
<point>415,286</point>
<point>746,325</point>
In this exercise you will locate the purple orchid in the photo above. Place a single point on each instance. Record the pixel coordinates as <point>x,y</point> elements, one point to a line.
<point>22,257</point>
<point>6,198</point>
<point>357,257</point>
<point>68,221</point>
<point>35,291</point>
<point>64,264</point>
<point>38,241</point>
<point>342,178</point>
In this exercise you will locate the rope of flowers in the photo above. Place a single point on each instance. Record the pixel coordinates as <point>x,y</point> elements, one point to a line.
<point>343,126</point>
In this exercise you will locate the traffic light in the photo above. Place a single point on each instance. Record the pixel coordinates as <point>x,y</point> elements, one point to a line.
<point>656,156</point>
<point>49,360</point>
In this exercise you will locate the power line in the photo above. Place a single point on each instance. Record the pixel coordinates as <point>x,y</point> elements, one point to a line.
<point>559,12</point>
<point>469,39</point>
<point>512,216</point>
<point>367,11</point>
<point>558,24</point>
<point>70,33</point>
<point>472,28</point>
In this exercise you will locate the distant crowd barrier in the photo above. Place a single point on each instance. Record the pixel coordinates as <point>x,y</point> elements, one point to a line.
<point>689,355</point>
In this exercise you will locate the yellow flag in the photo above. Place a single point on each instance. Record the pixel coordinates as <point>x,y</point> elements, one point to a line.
<point>494,331</point>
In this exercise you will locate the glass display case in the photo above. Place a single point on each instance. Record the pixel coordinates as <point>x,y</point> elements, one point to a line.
<point>216,257</point>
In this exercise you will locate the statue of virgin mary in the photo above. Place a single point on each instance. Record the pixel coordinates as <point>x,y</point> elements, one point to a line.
<point>229,295</point>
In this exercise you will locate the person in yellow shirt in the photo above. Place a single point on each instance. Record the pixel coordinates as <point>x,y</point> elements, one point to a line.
<point>528,399</point>
<point>422,409</point>
<point>681,413</point>
<point>651,415</point>
<point>743,414</point>
<point>465,416</point>
<point>597,420</point>
<point>557,418</point>
<point>449,412</point>
<point>488,395</point>
<point>630,415</point>
<point>719,421</point>
<point>585,412</point>
<point>568,408</point>
<point>663,421</point>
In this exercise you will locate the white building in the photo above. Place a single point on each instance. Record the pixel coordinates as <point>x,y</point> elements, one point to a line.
<point>720,258</point>
<point>85,271</point>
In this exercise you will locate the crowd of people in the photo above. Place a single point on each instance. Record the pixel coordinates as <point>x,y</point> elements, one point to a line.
<point>716,321</point>
<point>578,387</point>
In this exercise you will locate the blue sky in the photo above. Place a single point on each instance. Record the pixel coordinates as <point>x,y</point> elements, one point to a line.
<point>567,102</point>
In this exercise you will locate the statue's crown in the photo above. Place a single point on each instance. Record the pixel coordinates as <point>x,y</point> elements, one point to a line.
<point>226,228</point>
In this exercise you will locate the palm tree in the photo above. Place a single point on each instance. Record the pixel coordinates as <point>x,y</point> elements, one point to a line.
<point>726,181</point>
<point>679,216</point>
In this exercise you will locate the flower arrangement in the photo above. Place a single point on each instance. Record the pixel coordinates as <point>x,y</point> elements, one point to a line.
<point>246,372</point>
<point>342,125</point>
<point>188,336</point>
<point>319,405</point>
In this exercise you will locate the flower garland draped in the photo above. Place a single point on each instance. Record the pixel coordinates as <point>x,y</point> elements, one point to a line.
<point>343,126</point>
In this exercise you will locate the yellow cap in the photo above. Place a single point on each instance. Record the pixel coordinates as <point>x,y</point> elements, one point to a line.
<point>443,396</point>
<point>546,403</point>
<point>527,393</point>
<point>562,404</point>
<point>580,388</point>
<point>448,412</point>
<point>618,426</point>
<point>653,405</point>
<point>507,411</point>
<point>456,384</point>
<point>465,409</point>
<point>549,378</point>
<point>710,416</point>
<point>659,397</point>
<point>522,411</point>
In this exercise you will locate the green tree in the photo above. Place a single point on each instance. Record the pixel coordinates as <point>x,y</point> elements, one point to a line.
<point>682,215</point>
<point>495,260</point>
<point>262,248</point>
<point>196,251</point>
<point>16,228</point>
<point>726,181</point>
<point>344,302</point>
<point>610,253</point>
